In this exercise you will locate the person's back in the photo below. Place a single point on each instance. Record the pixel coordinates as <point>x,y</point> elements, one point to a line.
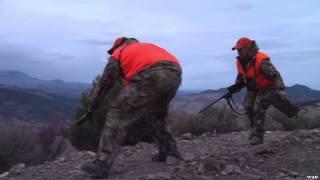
<point>152,77</point>
<point>137,56</point>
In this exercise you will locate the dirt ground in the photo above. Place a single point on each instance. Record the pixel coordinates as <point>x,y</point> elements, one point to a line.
<point>284,155</point>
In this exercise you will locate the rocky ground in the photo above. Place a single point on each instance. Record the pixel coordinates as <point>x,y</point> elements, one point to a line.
<point>284,155</point>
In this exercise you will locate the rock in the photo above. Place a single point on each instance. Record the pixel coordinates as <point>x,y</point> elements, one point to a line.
<point>186,136</point>
<point>200,169</point>
<point>232,169</point>
<point>72,172</point>
<point>17,169</point>
<point>172,161</point>
<point>289,172</point>
<point>261,149</point>
<point>188,157</point>
<point>281,174</point>
<point>186,142</point>
<point>241,160</point>
<point>91,153</point>
<point>200,178</point>
<point>214,165</point>
<point>62,159</point>
<point>5,174</point>
<point>158,176</point>
<point>223,173</point>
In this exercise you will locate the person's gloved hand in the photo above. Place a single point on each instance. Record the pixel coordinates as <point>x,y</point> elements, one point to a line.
<point>85,117</point>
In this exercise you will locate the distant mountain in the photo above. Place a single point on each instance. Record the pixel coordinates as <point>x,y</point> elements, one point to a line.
<point>23,80</point>
<point>196,101</point>
<point>187,92</point>
<point>301,93</point>
<point>34,105</point>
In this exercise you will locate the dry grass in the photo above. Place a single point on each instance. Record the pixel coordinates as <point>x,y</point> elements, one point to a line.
<point>223,120</point>
<point>23,143</point>
<point>220,120</point>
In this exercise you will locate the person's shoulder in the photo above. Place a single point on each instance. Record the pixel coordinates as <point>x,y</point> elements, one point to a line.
<point>262,55</point>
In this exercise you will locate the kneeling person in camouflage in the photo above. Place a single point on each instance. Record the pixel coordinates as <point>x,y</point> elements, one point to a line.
<point>151,78</point>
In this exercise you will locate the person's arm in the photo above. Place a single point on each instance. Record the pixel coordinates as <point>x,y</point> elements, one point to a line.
<point>268,69</point>
<point>239,79</point>
<point>110,74</point>
<point>239,84</point>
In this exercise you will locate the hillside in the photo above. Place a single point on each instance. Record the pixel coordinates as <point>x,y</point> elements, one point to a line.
<point>34,105</point>
<point>23,80</point>
<point>284,155</point>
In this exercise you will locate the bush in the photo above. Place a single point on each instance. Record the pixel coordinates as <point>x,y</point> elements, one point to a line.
<point>220,120</point>
<point>308,118</point>
<point>23,143</point>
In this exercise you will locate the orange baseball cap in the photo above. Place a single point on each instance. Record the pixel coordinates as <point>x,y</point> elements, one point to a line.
<point>118,42</point>
<point>242,42</point>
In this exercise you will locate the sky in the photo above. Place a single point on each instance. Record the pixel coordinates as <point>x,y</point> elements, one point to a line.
<point>68,40</point>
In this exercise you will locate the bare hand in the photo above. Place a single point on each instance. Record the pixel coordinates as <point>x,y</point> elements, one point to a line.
<point>283,94</point>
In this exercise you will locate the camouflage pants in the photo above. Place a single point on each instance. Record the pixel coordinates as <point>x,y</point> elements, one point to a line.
<point>257,103</point>
<point>147,95</point>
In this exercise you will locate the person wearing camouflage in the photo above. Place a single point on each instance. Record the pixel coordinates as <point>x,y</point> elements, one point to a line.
<point>151,78</point>
<point>264,85</point>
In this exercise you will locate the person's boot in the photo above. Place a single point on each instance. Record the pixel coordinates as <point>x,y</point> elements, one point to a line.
<point>162,157</point>
<point>255,140</point>
<point>250,135</point>
<point>96,168</point>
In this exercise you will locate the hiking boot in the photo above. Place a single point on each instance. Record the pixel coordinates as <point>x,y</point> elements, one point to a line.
<point>162,157</point>
<point>250,135</point>
<point>254,140</point>
<point>95,169</point>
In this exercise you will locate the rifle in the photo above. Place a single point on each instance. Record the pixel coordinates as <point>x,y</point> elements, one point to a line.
<point>85,117</point>
<point>228,96</point>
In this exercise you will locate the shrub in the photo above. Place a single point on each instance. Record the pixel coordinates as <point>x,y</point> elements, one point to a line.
<point>220,119</point>
<point>24,143</point>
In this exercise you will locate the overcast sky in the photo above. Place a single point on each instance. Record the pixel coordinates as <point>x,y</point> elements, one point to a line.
<point>67,39</point>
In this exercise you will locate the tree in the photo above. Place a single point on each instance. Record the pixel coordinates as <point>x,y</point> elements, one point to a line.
<point>86,136</point>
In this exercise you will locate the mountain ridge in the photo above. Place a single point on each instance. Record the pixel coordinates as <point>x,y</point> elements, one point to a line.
<point>57,86</point>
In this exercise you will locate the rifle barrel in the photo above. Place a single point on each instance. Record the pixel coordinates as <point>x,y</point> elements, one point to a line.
<point>207,107</point>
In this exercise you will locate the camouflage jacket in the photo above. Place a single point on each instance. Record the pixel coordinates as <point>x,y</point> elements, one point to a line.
<point>110,75</point>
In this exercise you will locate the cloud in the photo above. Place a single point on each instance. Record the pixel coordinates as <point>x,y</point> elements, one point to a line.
<point>49,37</point>
<point>99,42</point>
<point>244,6</point>
<point>56,56</point>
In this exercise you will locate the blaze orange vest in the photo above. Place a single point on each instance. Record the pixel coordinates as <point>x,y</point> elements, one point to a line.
<point>254,72</point>
<point>137,56</point>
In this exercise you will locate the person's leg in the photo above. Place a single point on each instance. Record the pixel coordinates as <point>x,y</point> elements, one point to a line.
<point>169,81</point>
<point>249,105</point>
<point>167,145</point>
<point>262,103</point>
<point>129,106</point>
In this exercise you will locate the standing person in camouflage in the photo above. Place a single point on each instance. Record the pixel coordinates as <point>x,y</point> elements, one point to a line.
<point>264,84</point>
<point>151,78</point>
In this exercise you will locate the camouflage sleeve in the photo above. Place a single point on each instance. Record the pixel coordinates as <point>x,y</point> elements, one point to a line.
<point>238,79</point>
<point>237,86</point>
<point>268,69</point>
<point>110,74</point>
